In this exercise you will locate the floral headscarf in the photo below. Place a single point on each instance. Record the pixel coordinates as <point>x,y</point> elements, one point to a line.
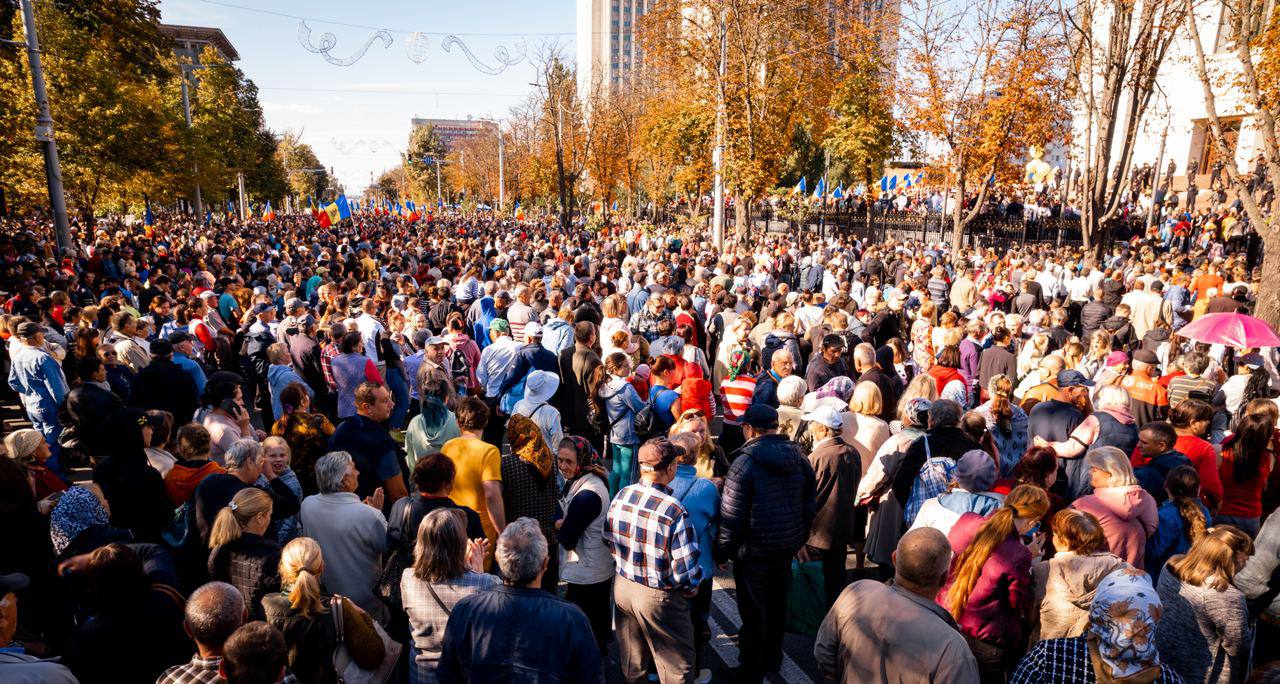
<point>839,387</point>
<point>1122,625</point>
<point>528,445</point>
<point>78,510</point>
<point>589,460</point>
<point>739,358</point>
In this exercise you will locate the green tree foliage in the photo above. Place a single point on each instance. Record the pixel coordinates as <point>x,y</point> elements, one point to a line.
<point>862,131</point>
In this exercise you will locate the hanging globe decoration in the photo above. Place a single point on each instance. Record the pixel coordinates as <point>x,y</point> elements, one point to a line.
<point>417,47</point>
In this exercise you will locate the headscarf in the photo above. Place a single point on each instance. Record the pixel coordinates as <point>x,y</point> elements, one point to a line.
<point>21,444</point>
<point>77,510</point>
<point>739,359</point>
<point>528,445</point>
<point>1122,627</point>
<point>589,460</point>
<point>839,387</point>
<point>488,311</point>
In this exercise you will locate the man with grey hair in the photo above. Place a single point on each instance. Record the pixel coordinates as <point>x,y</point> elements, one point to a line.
<point>897,632</point>
<point>352,534</point>
<point>244,464</point>
<point>869,370</point>
<point>929,464</point>
<point>213,612</point>
<point>489,634</point>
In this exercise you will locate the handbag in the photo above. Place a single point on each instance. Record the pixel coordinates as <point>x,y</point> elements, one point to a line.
<point>806,598</point>
<point>346,668</point>
<point>388,585</point>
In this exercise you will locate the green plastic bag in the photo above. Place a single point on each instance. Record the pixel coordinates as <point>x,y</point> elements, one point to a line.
<point>806,599</point>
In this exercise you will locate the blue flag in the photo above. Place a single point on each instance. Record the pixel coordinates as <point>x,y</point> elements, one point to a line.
<point>802,187</point>
<point>615,206</point>
<point>208,216</point>
<point>147,217</point>
<point>893,182</point>
<point>838,193</point>
<point>821,190</point>
<point>231,208</point>
<point>344,209</point>
<point>906,179</point>
<point>884,183</point>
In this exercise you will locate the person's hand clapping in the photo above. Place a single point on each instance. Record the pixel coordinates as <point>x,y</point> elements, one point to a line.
<point>477,549</point>
<point>376,500</point>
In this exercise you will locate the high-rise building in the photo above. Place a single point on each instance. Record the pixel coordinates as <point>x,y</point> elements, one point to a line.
<point>607,45</point>
<point>453,131</point>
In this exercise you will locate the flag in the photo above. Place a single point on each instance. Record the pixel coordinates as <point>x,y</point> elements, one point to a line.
<point>268,214</point>
<point>519,212</point>
<point>821,189</point>
<point>325,218</point>
<point>311,207</point>
<point>919,177</point>
<point>906,179</point>
<point>801,188</point>
<point>344,209</point>
<point>615,206</point>
<point>838,193</point>
<point>992,180</point>
<point>231,209</point>
<point>208,216</point>
<point>884,183</point>
<point>148,218</point>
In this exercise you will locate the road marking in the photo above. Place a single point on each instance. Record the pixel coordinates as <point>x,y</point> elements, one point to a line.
<point>789,672</point>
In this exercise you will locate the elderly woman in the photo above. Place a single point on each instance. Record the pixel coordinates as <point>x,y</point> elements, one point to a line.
<point>586,564</point>
<point>306,433</point>
<point>1205,636</point>
<point>351,368</point>
<point>1127,513</point>
<point>529,485</point>
<point>1119,643</point>
<point>538,390</point>
<point>446,568</point>
<point>1110,425</point>
<point>791,392</point>
<point>971,493</point>
<point>80,523</point>
<point>886,524</point>
<point>226,419</point>
<point>835,393</point>
<point>862,427</point>
<point>277,454</point>
<point>29,449</point>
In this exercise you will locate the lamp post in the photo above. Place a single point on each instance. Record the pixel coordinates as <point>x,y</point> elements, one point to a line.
<point>44,133</point>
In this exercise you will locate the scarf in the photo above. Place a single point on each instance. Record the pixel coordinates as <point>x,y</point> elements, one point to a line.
<point>1122,628</point>
<point>78,510</point>
<point>839,387</point>
<point>528,445</point>
<point>589,460</point>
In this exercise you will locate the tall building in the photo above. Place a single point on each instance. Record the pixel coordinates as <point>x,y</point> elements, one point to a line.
<point>453,131</point>
<point>190,41</point>
<point>606,42</point>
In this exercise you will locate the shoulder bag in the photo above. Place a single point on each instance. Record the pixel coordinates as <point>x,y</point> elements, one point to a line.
<point>345,666</point>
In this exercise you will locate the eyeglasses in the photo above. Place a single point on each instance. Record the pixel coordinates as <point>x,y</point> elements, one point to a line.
<point>692,413</point>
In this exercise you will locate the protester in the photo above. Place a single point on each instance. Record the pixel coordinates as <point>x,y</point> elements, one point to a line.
<point>586,565</point>
<point>1128,513</point>
<point>1071,577</point>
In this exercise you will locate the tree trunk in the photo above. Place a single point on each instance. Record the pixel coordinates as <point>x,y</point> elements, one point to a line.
<point>1268,298</point>
<point>742,218</point>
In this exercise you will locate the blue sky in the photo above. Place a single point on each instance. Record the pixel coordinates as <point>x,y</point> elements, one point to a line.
<point>361,129</point>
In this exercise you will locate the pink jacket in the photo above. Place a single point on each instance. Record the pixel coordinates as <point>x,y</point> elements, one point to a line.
<point>1128,516</point>
<point>1004,589</point>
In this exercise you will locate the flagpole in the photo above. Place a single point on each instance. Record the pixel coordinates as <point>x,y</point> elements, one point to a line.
<point>717,155</point>
<point>44,134</point>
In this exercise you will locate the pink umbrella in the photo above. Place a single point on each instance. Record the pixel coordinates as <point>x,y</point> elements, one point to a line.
<point>1232,330</point>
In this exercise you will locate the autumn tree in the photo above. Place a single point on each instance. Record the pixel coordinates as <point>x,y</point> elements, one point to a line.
<point>1248,68</point>
<point>305,176</point>
<point>862,130</point>
<point>984,84</point>
<point>1117,48</point>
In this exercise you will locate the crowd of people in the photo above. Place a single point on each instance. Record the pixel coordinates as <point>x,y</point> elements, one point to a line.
<point>474,449</point>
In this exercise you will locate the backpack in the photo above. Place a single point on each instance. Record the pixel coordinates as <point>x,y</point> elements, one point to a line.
<point>598,418</point>
<point>459,369</point>
<point>649,423</point>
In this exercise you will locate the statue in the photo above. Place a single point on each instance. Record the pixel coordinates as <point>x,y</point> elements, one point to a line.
<point>1038,170</point>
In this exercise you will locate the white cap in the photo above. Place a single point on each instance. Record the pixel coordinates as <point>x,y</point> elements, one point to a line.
<point>532,330</point>
<point>826,415</point>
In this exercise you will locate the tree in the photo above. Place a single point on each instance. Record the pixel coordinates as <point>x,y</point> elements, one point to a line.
<point>986,81</point>
<point>1116,50</point>
<point>569,139</point>
<point>1251,69</point>
<point>425,149</point>
<point>305,176</point>
<point>862,132</point>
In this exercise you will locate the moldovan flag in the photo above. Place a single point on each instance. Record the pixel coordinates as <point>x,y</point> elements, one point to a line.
<point>268,214</point>
<point>519,212</point>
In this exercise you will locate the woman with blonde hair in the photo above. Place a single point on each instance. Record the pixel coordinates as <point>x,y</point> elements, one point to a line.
<point>862,427</point>
<point>1205,634</point>
<point>1029,358</point>
<point>710,461</point>
<point>446,567</point>
<point>922,336</point>
<point>1096,357</point>
<point>1127,512</point>
<point>239,553</point>
<point>990,592</point>
<point>303,613</point>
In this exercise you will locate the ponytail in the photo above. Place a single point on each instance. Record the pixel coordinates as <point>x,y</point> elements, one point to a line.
<point>1183,485</point>
<point>300,566</point>
<point>1001,387</point>
<point>1025,501</point>
<point>304,595</point>
<point>232,519</point>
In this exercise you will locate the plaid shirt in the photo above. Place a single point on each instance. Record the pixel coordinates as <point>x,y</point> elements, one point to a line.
<point>652,541</point>
<point>327,354</point>
<point>1067,661</point>
<point>427,617</point>
<point>932,481</point>
<point>202,671</point>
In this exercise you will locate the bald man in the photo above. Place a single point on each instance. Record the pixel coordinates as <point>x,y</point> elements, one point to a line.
<point>889,633</point>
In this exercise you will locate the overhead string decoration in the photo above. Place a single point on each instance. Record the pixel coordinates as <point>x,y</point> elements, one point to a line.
<point>417,47</point>
<point>328,41</point>
<point>501,54</point>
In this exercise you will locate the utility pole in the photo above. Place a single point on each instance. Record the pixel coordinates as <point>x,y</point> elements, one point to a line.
<point>186,113</point>
<point>44,134</point>
<point>717,155</point>
<point>502,181</point>
<point>244,210</point>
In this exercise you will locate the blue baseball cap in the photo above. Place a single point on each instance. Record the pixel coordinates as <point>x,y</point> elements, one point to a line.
<point>1073,378</point>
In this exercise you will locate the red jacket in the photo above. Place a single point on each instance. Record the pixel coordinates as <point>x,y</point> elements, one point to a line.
<point>1003,592</point>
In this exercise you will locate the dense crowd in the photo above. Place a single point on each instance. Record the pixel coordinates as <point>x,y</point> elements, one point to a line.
<point>473,449</point>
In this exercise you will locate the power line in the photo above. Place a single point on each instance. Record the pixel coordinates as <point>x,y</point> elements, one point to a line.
<point>387,92</point>
<point>380,28</point>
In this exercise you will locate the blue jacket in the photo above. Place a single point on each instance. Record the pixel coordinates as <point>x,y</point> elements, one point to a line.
<point>193,369</point>
<point>280,377</point>
<point>489,639</point>
<point>769,501</point>
<point>557,335</point>
<point>37,377</point>
<point>530,357</point>
<point>701,502</point>
<point>1171,538</point>
<point>622,403</point>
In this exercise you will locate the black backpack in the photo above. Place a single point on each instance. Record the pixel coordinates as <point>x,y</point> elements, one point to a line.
<point>649,423</point>
<point>459,369</point>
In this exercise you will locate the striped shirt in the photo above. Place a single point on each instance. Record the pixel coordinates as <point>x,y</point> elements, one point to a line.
<point>652,542</point>
<point>737,397</point>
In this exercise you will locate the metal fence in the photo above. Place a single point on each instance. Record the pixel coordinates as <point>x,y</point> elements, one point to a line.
<point>987,230</point>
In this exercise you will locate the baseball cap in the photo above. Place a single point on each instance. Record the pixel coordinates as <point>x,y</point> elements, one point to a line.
<point>657,454</point>
<point>500,325</point>
<point>1146,356</point>
<point>761,417</point>
<point>825,415</point>
<point>29,329</point>
<point>294,303</point>
<point>1073,378</point>
<point>833,341</point>
<point>262,308</point>
<point>1250,360</point>
<point>161,347</point>
<point>13,582</point>
<point>976,471</point>
<point>208,294</point>
<point>436,339</point>
<point>532,330</point>
<point>179,336</point>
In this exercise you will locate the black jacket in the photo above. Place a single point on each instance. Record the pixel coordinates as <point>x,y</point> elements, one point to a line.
<point>88,407</point>
<point>1092,314</point>
<point>769,501</point>
<point>947,441</point>
<point>164,386</point>
<point>134,490</point>
<point>996,360</point>
<point>1121,330</point>
<point>249,564</point>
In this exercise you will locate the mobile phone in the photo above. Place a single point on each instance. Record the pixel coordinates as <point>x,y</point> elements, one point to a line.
<point>231,407</point>
<point>1030,536</point>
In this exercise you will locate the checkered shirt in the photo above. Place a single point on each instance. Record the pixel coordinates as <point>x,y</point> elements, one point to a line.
<point>932,481</point>
<point>1066,661</point>
<point>327,354</point>
<point>652,541</point>
<point>202,671</point>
